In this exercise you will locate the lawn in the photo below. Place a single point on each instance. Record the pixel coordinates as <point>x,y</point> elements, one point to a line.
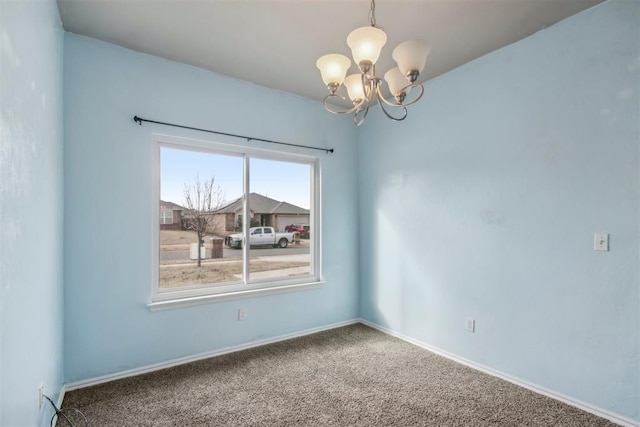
<point>217,272</point>
<point>182,238</point>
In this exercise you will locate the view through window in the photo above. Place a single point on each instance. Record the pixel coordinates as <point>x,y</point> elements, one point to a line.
<point>202,219</point>
<point>280,203</point>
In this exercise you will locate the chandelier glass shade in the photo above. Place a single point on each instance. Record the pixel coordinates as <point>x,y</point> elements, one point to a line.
<point>364,88</point>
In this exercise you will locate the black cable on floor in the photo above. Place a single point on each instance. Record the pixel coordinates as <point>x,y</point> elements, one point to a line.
<point>66,415</point>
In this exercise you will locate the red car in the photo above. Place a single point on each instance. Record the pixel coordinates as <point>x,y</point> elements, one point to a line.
<point>303,229</point>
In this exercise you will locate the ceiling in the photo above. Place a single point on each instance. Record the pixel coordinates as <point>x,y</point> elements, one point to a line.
<point>275,43</point>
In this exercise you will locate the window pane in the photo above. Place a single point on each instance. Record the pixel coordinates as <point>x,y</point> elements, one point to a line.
<point>280,203</point>
<point>200,199</point>
<point>204,189</point>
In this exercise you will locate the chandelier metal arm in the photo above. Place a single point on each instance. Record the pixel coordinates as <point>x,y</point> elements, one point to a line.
<point>370,84</point>
<point>386,113</point>
<point>409,88</point>
<point>382,101</point>
<point>358,120</point>
<point>335,111</point>
<point>405,89</point>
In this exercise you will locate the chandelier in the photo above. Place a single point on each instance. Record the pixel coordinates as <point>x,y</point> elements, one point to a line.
<point>364,88</point>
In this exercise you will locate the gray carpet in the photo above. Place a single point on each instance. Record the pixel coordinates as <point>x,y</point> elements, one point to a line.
<point>350,376</point>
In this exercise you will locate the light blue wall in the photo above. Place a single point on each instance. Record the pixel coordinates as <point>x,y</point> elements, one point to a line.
<point>31,203</point>
<point>483,204</point>
<point>108,183</point>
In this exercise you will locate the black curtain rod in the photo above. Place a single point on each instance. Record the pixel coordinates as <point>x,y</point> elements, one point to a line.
<point>139,120</point>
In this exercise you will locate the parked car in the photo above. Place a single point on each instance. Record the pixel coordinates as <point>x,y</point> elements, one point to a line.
<point>262,236</point>
<point>303,229</point>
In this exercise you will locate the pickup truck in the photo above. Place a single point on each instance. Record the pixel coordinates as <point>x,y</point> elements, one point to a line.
<point>261,236</point>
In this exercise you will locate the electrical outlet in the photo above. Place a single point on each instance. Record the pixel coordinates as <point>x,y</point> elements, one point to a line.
<point>242,314</point>
<point>471,325</point>
<point>40,395</point>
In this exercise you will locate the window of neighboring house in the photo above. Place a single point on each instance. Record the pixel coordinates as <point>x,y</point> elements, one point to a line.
<point>203,261</point>
<point>166,217</point>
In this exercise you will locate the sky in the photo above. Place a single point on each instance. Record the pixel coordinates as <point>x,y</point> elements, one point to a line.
<point>282,181</point>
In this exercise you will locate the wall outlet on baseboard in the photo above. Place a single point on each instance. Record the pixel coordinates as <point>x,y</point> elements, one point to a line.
<point>40,395</point>
<point>242,314</point>
<point>471,324</point>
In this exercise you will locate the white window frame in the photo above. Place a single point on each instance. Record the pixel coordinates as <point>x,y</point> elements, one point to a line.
<point>199,294</point>
<point>163,217</point>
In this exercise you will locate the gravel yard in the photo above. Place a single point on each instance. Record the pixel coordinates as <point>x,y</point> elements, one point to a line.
<point>176,273</point>
<point>216,272</point>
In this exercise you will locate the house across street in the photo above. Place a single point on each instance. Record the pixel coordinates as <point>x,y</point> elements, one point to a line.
<point>265,212</point>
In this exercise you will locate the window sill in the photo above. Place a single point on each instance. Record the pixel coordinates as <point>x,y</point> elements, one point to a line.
<point>213,298</point>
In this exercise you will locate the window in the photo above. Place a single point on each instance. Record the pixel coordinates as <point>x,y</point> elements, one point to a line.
<point>215,254</point>
<point>166,217</point>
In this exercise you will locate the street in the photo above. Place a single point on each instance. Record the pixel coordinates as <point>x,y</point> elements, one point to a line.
<point>237,253</point>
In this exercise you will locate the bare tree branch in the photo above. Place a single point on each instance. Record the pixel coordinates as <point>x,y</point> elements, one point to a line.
<point>201,200</point>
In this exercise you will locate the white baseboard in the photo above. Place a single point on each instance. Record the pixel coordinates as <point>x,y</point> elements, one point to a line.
<point>188,359</point>
<point>63,390</point>
<point>54,420</point>
<point>603,413</point>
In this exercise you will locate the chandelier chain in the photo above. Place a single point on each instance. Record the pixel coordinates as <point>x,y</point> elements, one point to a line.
<point>372,13</point>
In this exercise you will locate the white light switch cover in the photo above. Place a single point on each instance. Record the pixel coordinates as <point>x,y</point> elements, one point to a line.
<point>601,242</point>
<point>471,324</point>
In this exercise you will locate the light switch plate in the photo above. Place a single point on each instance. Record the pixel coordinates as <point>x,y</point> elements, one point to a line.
<point>601,242</point>
<point>471,324</point>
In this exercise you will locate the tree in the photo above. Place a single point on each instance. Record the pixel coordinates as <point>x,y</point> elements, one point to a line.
<point>201,199</point>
